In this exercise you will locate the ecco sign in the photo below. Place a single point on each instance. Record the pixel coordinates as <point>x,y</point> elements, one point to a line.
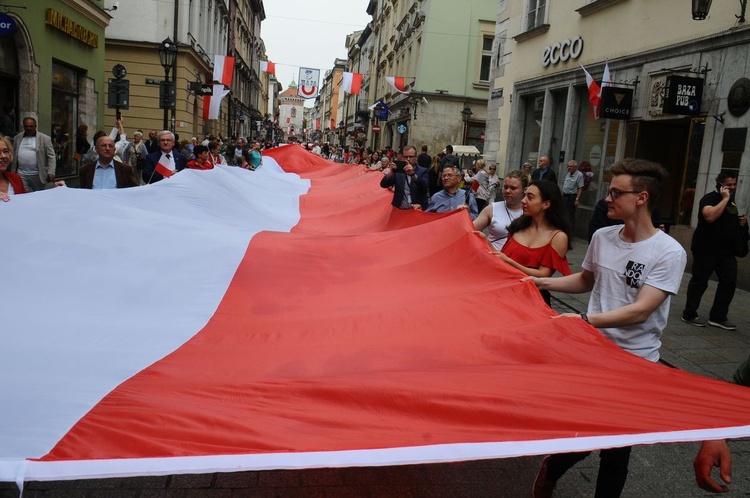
<point>562,51</point>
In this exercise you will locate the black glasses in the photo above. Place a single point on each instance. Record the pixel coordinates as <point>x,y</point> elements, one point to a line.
<point>614,193</point>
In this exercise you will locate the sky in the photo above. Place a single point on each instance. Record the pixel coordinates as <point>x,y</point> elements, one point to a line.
<point>309,33</point>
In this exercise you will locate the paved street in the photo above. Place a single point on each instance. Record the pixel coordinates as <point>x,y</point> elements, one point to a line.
<point>663,470</point>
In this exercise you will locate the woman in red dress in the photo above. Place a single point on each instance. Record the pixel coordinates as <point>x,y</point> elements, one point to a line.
<point>10,183</point>
<point>538,240</point>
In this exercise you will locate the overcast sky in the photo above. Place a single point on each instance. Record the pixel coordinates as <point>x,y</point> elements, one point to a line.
<point>309,33</point>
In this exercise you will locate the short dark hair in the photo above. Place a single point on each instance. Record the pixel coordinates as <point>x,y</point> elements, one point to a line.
<point>424,147</point>
<point>647,175</point>
<point>198,149</point>
<point>724,174</point>
<point>449,149</point>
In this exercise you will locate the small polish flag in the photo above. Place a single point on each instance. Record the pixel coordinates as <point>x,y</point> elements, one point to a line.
<point>595,93</point>
<point>223,69</point>
<point>268,67</point>
<point>351,83</point>
<point>398,83</point>
<point>163,170</point>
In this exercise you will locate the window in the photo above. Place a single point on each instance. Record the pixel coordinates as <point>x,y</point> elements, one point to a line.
<point>535,16</point>
<point>486,62</point>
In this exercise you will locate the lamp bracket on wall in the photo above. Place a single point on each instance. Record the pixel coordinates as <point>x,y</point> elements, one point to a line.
<point>719,117</point>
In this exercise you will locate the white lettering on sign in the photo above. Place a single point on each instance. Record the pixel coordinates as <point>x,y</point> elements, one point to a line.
<point>562,51</point>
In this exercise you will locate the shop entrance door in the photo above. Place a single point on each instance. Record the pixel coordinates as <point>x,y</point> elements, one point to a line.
<point>669,144</point>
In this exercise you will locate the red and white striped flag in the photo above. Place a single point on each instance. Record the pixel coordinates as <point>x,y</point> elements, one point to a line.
<point>164,169</point>
<point>271,338</point>
<point>351,83</point>
<point>212,103</point>
<point>595,95</point>
<point>398,83</point>
<point>223,69</point>
<point>268,67</point>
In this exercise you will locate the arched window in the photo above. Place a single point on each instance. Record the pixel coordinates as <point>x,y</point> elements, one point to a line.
<point>294,112</point>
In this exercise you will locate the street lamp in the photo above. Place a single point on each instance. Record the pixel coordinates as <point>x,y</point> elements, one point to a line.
<point>466,116</point>
<point>167,56</point>
<point>701,8</point>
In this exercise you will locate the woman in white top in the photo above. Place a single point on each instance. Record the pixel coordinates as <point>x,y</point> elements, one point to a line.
<point>486,182</point>
<point>498,215</point>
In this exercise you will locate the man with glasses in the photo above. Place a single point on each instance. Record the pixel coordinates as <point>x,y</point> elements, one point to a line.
<point>165,161</point>
<point>452,197</point>
<point>410,184</point>
<point>713,251</point>
<point>106,172</point>
<point>631,271</point>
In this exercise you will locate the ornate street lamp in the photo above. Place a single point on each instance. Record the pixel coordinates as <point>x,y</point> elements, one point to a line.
<point>466,116</point>
<point>701,8</point>
<point>167,56</point>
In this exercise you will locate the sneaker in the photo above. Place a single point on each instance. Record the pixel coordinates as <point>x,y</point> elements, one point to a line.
<point>543,487</point>
<point>694,321</point>
<point>726,325</point>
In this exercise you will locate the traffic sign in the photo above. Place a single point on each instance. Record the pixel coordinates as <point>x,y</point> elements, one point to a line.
<point>376,128</point>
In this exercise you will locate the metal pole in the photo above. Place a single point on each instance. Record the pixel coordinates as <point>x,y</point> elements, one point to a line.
<point>166,99</point>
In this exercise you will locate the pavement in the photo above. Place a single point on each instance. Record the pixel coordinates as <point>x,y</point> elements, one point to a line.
<point>660,470</point>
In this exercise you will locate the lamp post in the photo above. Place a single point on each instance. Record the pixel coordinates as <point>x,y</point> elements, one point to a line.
<point>466,116</point>
<point>167,56</point>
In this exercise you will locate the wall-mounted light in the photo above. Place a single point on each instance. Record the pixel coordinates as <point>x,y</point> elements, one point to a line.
<point>701,8</point>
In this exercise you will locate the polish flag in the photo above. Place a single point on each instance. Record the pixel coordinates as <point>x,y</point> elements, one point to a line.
<point>212,103</point>
<point>351,83</point>
<point>595,95</point>
<point>223,69</point>
<point>270,337</point>
<point>164,170</point>
<point>317,124</point>
<point>268,67</point>
<point>398,83</point>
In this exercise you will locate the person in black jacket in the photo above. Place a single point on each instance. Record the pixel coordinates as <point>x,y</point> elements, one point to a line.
<point>410,186</point>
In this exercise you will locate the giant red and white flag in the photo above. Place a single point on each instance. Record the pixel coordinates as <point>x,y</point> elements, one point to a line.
<point>398,83</point>
<point>290,317</point>
<point>223,69</point>
<point>351,82</point>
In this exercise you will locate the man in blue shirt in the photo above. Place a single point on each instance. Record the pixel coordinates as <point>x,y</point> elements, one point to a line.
<point>105,172</point>
<point>452,196</point>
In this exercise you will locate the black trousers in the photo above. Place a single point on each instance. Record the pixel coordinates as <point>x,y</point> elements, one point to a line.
<point>570,203</point>
<point>726,271</point>
<point>613,469</point>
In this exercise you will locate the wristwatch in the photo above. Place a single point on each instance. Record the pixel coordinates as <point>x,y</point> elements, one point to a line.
<point>585,317</point>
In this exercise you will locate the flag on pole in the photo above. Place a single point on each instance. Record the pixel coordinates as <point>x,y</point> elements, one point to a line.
<point>595,95</point>
<point>268,67</point>
<point>351,83</point>
<point>163,169</point>
<point>223,69</point>
<point>212,103</point>
<point>398,83</point>
<point>271,338</point>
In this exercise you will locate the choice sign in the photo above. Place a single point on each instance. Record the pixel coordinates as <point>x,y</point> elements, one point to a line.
<point>8,25</point>
<point>562,51</point>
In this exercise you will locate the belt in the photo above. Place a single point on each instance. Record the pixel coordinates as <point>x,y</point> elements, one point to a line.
<point>569,195</point>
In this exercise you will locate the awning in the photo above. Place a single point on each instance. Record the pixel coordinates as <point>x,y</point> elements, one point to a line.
<point>465,150</point>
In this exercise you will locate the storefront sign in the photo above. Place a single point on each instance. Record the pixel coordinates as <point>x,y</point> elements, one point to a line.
<point>616,102</point>
<point>70,28</point>
<point>8,25</point>
<point>562,51</point>
<point>683,95</point>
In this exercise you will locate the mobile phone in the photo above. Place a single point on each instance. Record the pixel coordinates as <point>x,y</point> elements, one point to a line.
<point>118,115</point>
<point>400,166</point>
<point>718,186</point>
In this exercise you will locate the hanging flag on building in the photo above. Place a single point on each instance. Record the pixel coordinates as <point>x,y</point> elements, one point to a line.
<point>212,103</point>
<point>309,79</point>
<point>317,125</point>
<point>268,67</point>
<point>398,83</point>
<point>223,69</point>
<point>351,83</point>
<point>595,93</point>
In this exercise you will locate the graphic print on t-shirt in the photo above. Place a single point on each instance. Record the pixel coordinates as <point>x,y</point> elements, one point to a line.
<point>633,274</point>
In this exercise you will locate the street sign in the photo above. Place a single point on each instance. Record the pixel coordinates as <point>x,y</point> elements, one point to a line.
<point>8,25</point>
<point>118,94</point>
<point>376,128</point>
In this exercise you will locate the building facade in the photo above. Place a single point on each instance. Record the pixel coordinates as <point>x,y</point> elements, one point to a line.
<point>682,95</point>
<point>291,113</point>
<point>52,69</point>
<point>442,52</point>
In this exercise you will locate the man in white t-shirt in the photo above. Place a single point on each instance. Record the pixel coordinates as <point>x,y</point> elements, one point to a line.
<point>631,270</point>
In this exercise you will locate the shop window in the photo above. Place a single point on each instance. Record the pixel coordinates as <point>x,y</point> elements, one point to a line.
<point>534,105</point>
<point>589,151</point>
<point>64,118</point>
<point>535,13</point>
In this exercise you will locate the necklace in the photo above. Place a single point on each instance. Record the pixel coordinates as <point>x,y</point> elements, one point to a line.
<point>511,217</point>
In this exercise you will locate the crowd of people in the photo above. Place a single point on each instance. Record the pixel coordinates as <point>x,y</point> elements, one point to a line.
<point>631,268</point>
